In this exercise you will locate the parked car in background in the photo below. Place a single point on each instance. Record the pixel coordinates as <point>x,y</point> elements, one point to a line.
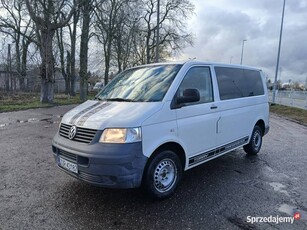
<point>98,86</point>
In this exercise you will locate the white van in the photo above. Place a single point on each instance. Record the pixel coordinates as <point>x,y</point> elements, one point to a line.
<point>153,122</point>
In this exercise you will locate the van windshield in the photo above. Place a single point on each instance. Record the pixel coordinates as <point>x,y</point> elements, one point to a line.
<point>141,84</point>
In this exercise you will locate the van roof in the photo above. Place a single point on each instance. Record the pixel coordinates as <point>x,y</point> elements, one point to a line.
<point>198,62</point>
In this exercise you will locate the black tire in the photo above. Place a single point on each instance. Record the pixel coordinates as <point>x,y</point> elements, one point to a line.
<point>163,175</point>
<point>254,145</point>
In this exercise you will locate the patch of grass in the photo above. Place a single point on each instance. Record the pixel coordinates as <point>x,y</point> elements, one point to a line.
<point>292,113</point>
<point>23,101</point>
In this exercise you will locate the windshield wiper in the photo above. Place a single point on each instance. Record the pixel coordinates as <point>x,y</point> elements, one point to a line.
<point>120,99</point>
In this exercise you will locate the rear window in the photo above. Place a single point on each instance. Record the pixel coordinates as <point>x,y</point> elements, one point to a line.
<point>237,83</point>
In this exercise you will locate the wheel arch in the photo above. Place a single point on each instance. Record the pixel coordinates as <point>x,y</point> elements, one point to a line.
<point>261,124</point>
<point>173,146</point>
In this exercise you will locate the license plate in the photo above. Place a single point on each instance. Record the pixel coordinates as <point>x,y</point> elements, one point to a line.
<point>68,165</point>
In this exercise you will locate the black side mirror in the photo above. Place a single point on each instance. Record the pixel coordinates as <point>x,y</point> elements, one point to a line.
<point>189,95</point>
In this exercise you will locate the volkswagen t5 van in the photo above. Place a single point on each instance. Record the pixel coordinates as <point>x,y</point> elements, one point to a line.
<point>153,122</point>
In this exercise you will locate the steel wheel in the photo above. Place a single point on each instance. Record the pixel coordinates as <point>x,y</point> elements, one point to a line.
<point>257,139</point>
<point>165,175</point>
<point>254,146</point>
<point>162,174</point>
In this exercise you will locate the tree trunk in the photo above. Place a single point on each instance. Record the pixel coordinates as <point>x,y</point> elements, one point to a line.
<point>47,68</point>
<point>22,83</point>
<point>148,47</point>
<point>18,63</point>
<point>106,72</point>
<point>73,83</point>
<point>7,80</point>
<point>67,82</point>
<point>8,69</point>
<point>59,34</point>
<point>23,70</point>
<point>47,93</point>
<point>86,8</point>
<point>68,74</point>
<point>73,55</point>
<point>107,62</point>
<point>83,89</point>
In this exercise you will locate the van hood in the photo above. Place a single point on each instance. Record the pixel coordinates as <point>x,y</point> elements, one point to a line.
<point>105,114</point>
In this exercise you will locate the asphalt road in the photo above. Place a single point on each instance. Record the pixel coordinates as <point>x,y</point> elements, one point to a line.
<point>221,194</point>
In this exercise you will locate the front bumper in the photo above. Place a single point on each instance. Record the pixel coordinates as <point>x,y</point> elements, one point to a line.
<point>102,164</point>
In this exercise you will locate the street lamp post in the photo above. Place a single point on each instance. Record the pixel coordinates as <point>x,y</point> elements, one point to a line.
<point>278,53</point>
<point>242,51</point>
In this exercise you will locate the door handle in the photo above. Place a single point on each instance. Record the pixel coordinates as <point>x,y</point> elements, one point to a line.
<point>213,107</point>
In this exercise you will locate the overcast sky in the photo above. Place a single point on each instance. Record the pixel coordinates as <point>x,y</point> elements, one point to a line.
<point>219,27</point>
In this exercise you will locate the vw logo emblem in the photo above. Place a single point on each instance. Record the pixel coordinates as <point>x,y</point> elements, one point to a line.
<point>72,132</point>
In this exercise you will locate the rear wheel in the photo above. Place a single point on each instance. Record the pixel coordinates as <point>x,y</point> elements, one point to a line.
<point>163,174</point>
<point>254,145</point>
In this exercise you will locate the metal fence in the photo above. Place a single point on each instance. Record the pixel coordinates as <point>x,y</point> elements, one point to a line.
<point>290,98</point>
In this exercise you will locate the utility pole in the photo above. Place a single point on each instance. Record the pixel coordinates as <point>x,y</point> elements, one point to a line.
<point>278,53</point>
<point>158,32</point>
<point>242,51</point>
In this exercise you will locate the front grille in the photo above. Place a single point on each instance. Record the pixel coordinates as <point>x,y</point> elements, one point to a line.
<point>82,135</point>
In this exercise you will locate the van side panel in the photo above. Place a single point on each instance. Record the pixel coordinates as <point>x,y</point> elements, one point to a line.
<point>197,127</point>
<point>243,102</point>
<point>159,129</point>
<point>239,116</point>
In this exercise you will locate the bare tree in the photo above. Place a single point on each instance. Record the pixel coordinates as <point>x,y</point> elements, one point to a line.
<point>68,71</point>
<point>46,15</point>
<point>107,15</point>
<point>16,24</point>
<point>128,30</point>
<point>173,37</point>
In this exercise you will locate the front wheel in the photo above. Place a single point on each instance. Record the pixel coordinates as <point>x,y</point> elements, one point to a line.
<point>254,145</point>
<point>163,174</point>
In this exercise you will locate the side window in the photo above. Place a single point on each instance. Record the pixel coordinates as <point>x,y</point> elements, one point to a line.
<point>198,78</point>
<point>237,83</point>
<point>253,83</point>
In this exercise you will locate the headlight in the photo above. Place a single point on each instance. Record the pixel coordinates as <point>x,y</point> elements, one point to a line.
<point>121,135</point>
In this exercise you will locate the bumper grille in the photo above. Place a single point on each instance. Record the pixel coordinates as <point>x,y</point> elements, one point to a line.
<point>89,178</point>
<point>69,156</point>
<point>82,134</point>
